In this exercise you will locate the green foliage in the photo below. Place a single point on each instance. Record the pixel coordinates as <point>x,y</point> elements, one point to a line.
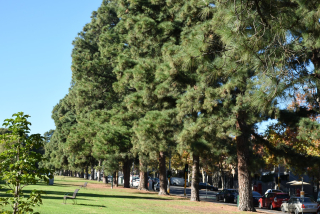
<point>19,164</point>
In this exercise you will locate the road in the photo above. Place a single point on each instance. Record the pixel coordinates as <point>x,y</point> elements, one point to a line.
<point>209,196</point>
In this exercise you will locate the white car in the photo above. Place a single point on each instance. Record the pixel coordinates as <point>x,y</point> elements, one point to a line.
<point>299,205</point>
<point>136,182</point>
<point>175,181</point>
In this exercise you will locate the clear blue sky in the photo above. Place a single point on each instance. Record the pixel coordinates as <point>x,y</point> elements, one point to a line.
<point>35,55</point>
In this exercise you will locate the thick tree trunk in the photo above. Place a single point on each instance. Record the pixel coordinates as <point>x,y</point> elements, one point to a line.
<point>195,179</point>
<point>244,177</point>
<point>143,184</point>
<point>126,173</point>
<point>162,174</point>
<point>87,173</point>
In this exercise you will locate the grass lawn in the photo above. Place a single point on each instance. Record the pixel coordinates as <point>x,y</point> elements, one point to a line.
<point>100,198</point>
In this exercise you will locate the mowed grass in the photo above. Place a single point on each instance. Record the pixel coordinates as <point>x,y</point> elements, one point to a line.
<point>100,198</point>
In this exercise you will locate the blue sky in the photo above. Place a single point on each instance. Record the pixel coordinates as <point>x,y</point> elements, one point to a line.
<point>35,55</point>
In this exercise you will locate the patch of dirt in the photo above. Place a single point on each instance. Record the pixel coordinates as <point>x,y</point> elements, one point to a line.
<point>208,207</point>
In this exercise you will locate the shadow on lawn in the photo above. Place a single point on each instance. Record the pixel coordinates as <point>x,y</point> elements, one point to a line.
<point>59,195</point>
<point>91,205</point>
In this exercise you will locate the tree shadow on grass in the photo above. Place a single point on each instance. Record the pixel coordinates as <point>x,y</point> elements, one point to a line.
<point>92,205</point>
<point>59,195</point>
<point>61,185</point>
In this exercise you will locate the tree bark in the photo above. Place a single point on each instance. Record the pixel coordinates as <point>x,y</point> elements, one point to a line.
<point>143,184</point>
<point>244,177</point>
<point>104,179</point>
<point>92,173</point>
<point>87,173</point>
<point>117,177</point>
<point>17,188</point>
<point>114,179</point>
<point>126,173</point>
<point>162,174</point>
<point>318,180</point>
<point>195,179</point>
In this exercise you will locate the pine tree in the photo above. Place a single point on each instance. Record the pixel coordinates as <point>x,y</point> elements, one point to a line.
<point>190,76</point>
<point>145,27</point>
<point>268,46</point>
<point>93,78</point>
<point>63,115</point>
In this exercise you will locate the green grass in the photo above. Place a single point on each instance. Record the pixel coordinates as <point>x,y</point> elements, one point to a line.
<point>99,198</point>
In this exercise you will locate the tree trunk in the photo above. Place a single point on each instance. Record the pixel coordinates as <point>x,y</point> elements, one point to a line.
<point>126,173</point>
<point>143,184</point>
<point>92,173</point>
<point>244,177</point>
<point>195,179</point>
<point>104,179</point>
<point>17,188</point>
<point>117,177</point>
<point>114,178</point>
<point>87,173</point>
<point>318,180</point>
<point>162,174</point>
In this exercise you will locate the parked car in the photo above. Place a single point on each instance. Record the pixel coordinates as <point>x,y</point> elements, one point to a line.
<point>207,186</point>
<point>227,195</point>
<point>175,181</point>
<point>273,190</point>
<point>156,186</point>
<point>273,200</point>
<point>136,182</point>
<point>299,205</point>
<point>255,195</point>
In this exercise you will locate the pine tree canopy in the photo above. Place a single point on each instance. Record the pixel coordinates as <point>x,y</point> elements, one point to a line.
<point>193,78</point>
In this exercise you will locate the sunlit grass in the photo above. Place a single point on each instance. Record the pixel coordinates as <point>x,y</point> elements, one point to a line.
<point>100,198</point>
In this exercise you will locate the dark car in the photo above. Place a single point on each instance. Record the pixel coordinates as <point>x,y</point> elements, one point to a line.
<point>207,186</point>
<point>255,195</point>
<point>227,195</point>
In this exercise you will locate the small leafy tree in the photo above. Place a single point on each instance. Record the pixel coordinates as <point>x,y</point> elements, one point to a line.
<point>19,164</point>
